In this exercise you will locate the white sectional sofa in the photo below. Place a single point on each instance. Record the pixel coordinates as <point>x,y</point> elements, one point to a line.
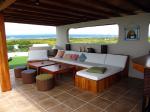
<point>115,64</point>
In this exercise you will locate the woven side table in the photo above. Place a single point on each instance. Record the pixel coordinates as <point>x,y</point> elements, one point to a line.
<point>28,76</point>
<point>18,71</point>
<point>44,82</point>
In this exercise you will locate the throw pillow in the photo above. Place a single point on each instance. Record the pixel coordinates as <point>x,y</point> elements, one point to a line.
<point>82,57</point>
<point>100,70</point>
<point>74,56</point>
<point>60,54</point>
<point>67,56</point>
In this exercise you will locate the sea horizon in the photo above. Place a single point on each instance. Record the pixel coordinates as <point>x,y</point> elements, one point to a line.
<point>52,36</point>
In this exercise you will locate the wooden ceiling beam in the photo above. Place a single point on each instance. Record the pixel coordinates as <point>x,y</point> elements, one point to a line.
<point>6,4</point>
<point>139,5</point>
<point>45,7</point>
<point>67,8</point>
<point>96,6</point>
<point>32,21</point>
<point>72,5</point>
<point>35,15</point>
<point>45,13</point>
<point>28,8</point>
<point>108,5</point>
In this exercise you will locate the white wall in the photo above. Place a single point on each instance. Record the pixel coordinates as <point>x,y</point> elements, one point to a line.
<point>132,48</point>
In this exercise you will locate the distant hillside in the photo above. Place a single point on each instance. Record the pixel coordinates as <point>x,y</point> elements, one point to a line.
<point>46,36</point>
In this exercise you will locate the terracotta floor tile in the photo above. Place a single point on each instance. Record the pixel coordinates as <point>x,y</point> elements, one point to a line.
<point>116,107</point>
<point>137,108</point>
<point>75,91</point>
<point>110,96</point>
<point>117,90</point>
<point>48,103</point>
<point>87,96</point>
<point>100,102</point>
<point>134,95</point>
<point>39,97</point>
<point>124,96</point>
<point>65,87</point>
<point>122,105</point>
<point>54,92</point>
<point>74,103</point>
<point>88,108</point>
<point>63,97</point>
<point>60,108</point>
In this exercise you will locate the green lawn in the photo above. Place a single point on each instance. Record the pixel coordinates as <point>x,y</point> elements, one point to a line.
<point>18,61</point>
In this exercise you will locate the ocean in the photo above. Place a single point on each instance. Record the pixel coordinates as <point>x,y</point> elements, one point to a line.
<point>48,36</point>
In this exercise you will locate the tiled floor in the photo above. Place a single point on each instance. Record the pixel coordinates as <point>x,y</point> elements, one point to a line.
<point>124,96</point>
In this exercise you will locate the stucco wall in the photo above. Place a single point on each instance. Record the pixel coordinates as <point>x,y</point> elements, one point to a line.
<point>132,48</point>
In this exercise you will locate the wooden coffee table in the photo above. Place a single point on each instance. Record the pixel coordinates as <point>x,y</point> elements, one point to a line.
<point>38,65</point>
<point>58,69</point>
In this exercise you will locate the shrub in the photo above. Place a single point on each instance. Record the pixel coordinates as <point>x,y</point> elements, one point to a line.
<point>10,48</point>
<point>24,48</point>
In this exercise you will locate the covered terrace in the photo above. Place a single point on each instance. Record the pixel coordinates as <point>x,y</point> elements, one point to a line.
<point>124,96</point>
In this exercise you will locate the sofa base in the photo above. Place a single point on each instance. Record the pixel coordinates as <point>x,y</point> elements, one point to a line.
<point>96,86</point>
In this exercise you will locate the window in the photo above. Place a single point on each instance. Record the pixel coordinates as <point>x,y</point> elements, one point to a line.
<point>22,36</point>
<point>107,34</point>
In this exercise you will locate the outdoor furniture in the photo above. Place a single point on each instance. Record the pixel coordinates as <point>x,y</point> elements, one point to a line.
<point>28,76</point>
<point>44,82</point>
<point>18,71</point>
<point>117,66</point>
<point>37,55</point>
<point>38,65</point>
<point>59,69</point>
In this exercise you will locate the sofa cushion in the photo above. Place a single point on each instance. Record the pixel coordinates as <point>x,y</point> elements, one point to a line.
<point>60,54</point>
<point>82,57</point>
<point>67,56</point>
<point>37,55</point>
<point>74,56</point>
<point>77,63</point>
<point>116,60</point>
<point>97,76</point>
<point>95,58</point>
<point>97,70</point>
<point>73,52</point>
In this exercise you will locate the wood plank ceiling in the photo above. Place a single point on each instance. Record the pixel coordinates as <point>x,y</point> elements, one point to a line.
<point>62,12</point>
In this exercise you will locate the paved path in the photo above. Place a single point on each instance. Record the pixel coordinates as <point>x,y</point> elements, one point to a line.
<point>13,54</point>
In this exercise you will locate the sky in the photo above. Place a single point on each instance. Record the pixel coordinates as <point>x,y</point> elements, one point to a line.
<point>26,29</point>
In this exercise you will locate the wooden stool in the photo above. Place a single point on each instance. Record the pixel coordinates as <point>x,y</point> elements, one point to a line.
<point>28,76</point>
<point>18,71</point>
<point>44,82</point>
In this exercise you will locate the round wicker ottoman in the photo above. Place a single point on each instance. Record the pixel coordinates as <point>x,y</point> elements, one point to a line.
<point>18,71</point>
<point>28,76</point>
<point>44,82</point>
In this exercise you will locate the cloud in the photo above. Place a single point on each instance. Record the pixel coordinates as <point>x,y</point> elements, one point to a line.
<point>26,29</point>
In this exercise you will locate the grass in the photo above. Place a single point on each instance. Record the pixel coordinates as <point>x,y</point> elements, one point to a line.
<point>18,61</point>
<point>94,40</point>
<point>31,41</point>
